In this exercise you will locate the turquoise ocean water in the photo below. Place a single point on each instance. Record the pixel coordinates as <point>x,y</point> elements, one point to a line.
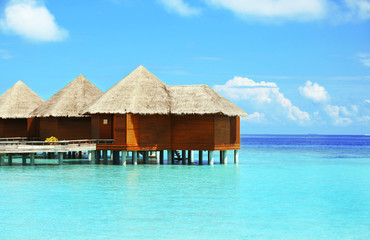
<point>285,187</point>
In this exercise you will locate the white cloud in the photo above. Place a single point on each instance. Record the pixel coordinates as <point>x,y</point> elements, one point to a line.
<point>31,20</point>
<point>340,114</point>
<point>364,58</point>
<point>255,117</point>
<point>314,92</point>
<point>5,55</point>
<point>359,8</point>
<point>180,7</point>
<point>367,101</point>
<point>280,9</point>
<point>264,94</point>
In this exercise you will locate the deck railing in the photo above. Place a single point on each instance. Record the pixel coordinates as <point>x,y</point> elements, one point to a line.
<point>24,141</point>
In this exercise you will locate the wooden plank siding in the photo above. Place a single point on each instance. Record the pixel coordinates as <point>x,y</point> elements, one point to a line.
<point>186,132</point>
<point>13,128</point>
<point>65,128</point>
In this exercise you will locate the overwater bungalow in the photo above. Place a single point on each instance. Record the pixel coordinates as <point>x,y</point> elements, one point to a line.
<point>141,113</point>
<point>60,116</point>
<point>16,104</point>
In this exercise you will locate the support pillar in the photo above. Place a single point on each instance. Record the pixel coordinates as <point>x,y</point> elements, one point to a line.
<point>169,157</point>
<point>60,158</point>
<point>98,156</point>
<point>224,157</point>
<point>221,157</point>
<point>105,156</point>
<point>115,158</point>
<point>1,159</point>
<point>24,159</point>
<point>161,157</point>
<point>134,157</point>
<point>32,159</point>
<point>157,157</point>
<point>236,156</point>
<point>200,157</point>
<point>10,159</point>
<point>44,155</point>
<point>124,156</point>
<point>190,157</point>
<point>183,155</point>
<point>79,155</point>
<point>210,158</point>
<point>146,157</point>
<point>92,157</point>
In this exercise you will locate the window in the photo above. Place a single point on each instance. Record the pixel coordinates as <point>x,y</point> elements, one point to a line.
<point>105,121</point>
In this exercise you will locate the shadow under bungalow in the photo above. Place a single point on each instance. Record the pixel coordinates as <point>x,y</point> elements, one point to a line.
<point>137,119</point>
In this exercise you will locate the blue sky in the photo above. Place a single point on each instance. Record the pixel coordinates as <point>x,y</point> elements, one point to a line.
<point>295,66</point>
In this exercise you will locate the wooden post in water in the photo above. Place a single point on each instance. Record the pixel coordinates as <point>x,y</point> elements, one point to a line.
<point>236,156</point>
<point>200,157</point>
<point>115,158</point>
<point>98,156</point>
<point>224,157</point>
<point>169,157</point>
<point>10,159</point>
<point>92,156</point>
<point>124,156</point>
<point>134,157</point>
<point>183,155</point>
<point>32,159</point>
<point>157,157</point>
<point>24,159</point>
<point>190,157</point>
<point>60,158</point>
<point>221,157</point>
<point>161,157</point>
<point>146,157</point>
<point>210,158</point>
<point>105,156</point>
<point>1,159</point>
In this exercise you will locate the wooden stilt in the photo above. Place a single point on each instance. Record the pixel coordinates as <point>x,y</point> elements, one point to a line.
<point>98,156</point>
<point>224,157</point>
<point>190,157</point>
<point>79,155</point>
<point>157,157</point>
<point>161,157</point>
<point>236,156</point>
<point>200,157</point>
<point>92,156</point>
<point>210,158</point>
<point>10,159</point>
<point>105,156</point>
<point>24,159</point>
<point>169,157</point>
<point>124,156</point>
<point>183,156</point>
<point>60,158</point>
<point>2,159</point>
<point>146,157</point>
<point>32,159</point>
<point>221,157</point>
<point>134,157</point>
<point>115,158</point>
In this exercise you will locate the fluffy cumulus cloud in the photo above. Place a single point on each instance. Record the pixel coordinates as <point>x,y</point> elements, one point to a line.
<point>358,8</point>
<point>340,114</point>
<point>31,20</point>
<point>255,117</point>
<point>284,9</point>
<point>180,7</point>
<point>314,92</point>
<point>266,96</point>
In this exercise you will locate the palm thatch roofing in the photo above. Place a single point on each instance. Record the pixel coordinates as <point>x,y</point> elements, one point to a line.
<point>140,92</point>
<point>201,99</point>
<point>69,101</point>
<point>18,101</point>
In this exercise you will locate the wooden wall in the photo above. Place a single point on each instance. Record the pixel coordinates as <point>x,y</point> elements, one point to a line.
<point>13,128</point>
<point>65,128</point>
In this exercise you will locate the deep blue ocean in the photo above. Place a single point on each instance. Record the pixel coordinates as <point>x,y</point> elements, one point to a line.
<point>285,187</point>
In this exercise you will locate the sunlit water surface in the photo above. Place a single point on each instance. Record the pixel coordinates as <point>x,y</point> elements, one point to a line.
<point>285,187</point>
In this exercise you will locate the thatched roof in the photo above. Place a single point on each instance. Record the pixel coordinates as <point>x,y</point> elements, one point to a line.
<point>19,101</point>
<point>201,99</point>
<point>140,92</point>
<point>69,101</point>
